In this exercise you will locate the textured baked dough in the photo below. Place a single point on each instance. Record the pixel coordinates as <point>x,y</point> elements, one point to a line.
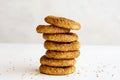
<point>61,37</point>
<point>62,54</point>
<point>56,70</point>
<point>57,62</point>
<point>62,22</point>
<point>58,46</point>
<point>51,29</point>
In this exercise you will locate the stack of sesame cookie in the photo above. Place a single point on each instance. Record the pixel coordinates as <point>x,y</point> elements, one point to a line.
<point>61,44</point>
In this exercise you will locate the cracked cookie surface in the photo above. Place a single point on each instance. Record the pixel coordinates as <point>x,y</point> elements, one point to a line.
<point>62,22</point>
<point>56,70</point>
<point>57,62</point>
<point>62,54</point>
<point>51,29</point>
<point>62,46</point>
<point>61,37</point>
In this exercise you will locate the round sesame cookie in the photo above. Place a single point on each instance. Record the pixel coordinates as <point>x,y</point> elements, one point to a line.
<point>51,29</point>
<point>62,46</point>
<point>57,62</point>
<point>63,22</point>
<point>56,70</point>
<point>61,37</point>
<point>62,54</point>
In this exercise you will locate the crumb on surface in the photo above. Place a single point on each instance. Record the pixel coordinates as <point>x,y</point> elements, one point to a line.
<point>97,75</point>
<point>112,75</point>
<point>78,72</point>
<point>114,67</point>
<point>31,78</point>
<point>102,70</point>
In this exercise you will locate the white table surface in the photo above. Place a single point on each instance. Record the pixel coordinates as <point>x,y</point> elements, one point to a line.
<point>21,62</point>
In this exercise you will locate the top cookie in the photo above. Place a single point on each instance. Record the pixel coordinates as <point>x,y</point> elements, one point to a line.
<point>63,22</point>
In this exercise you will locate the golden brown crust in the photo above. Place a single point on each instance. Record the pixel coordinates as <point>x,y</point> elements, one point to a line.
<point>69,46</point>
<point>63,22</point>
<point>61,37</point>
<point>51,29</point>
<point>62,54</point>
<point>56,70</point>
<point>57,62</point>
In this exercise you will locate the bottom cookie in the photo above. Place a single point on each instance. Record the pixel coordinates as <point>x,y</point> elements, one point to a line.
<point>56,70</point>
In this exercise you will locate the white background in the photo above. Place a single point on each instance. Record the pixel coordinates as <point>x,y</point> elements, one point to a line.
<point>100,19</point>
